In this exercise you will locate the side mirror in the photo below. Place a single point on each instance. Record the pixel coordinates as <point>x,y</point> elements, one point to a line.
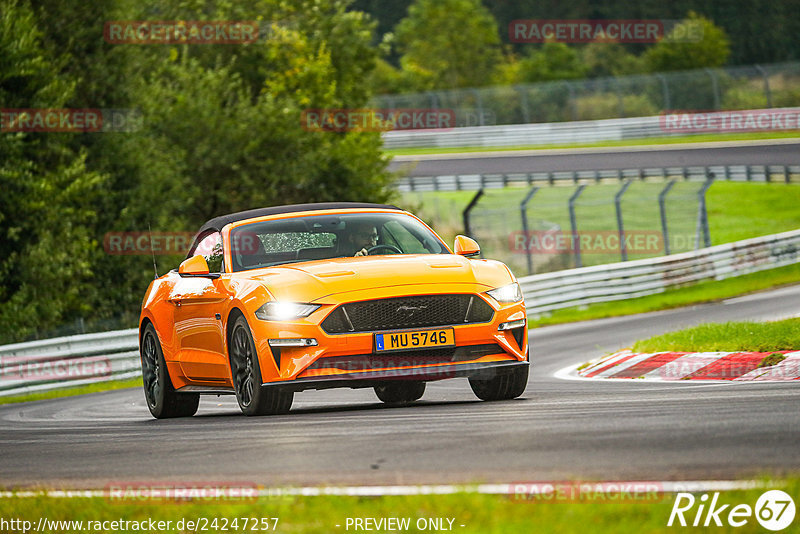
<point>466,246</point>
<point>196,266</point>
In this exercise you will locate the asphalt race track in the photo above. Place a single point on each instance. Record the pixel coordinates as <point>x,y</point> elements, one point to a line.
<point>767,152</point>
<point>612,430</point>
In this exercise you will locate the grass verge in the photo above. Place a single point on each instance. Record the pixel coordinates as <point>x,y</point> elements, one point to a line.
<point>485,514</point>
<point>709,291</point>
<point>702,138</point>
<point>69,392</point>
<point>727,337</point>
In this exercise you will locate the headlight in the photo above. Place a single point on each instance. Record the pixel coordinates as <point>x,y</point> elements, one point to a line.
<point>505,294</point>
<point>284,311</point>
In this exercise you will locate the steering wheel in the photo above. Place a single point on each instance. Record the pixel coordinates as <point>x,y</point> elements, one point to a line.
<point>387,247</point>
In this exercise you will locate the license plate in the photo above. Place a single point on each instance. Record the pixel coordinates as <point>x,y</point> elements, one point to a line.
<point>419,339</point>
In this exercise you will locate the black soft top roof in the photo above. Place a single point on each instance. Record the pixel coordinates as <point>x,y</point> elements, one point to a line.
<point>217,223</point>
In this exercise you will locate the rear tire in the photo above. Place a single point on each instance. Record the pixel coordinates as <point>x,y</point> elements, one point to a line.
<point>400,392</point>
<point>162,399</point>
<point>505,386</point>
<point>253,398</point>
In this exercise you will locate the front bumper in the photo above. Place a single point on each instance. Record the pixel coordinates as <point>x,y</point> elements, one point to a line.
<point>368,379</point>
<point>352,356</point>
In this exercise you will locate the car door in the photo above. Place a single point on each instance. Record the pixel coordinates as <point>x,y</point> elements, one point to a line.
<point>198,307</point>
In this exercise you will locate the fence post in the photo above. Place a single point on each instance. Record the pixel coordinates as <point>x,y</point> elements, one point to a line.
<point>572,104</point>
<point>767,91</point>
<point>465,213</point>
<point>576,246</point>
<point>714,87</point>
<point>523,209</point>
<point>523,101</point>
<point>662,208</point>
<point>702,214</point>
<point>620,228</point>
<point>479,103</point>
<point>665,90</point>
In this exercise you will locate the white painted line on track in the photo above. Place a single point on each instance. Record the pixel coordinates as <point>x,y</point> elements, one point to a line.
<point>612,487</point>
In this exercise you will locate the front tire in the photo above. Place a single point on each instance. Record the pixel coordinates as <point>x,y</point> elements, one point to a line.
<point>253,398</point>
<point>504,386</point>
<point>400,392</point>
<point>162,399</point>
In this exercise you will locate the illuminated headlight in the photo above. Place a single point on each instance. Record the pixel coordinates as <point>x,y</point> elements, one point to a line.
<point>285,311</point>
<point>505,294</point>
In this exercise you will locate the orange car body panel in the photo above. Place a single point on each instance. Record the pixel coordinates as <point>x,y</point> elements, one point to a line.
<point>191,314</point>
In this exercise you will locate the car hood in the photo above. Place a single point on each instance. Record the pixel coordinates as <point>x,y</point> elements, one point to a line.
<point>315,280</point>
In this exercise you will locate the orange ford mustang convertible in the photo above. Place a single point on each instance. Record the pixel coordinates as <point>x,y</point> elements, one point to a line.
<point>277,300</point>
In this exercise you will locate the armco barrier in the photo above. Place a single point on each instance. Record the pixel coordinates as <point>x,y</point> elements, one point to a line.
<point>68,361</point>
<point>47,364</point>
<point>548,133</point>
<point>617,281</point>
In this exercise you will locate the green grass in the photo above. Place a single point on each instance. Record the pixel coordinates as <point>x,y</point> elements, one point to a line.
<point>708,291</point>
<point>702,138</point>
<point>69,392</point>
<point>727,337</point>
<point>485,514</point>
<point>772,359</point>
<point>736,211</point>
<point>742,210</point>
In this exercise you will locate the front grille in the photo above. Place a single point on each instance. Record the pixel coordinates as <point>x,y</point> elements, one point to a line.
<point>408,358</point>
<point>407,312</point>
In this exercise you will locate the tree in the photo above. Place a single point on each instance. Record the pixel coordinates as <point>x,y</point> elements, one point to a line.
<point>609,59</point>
<point>695,43</point>
<point>553,61</point>
<point>447,44</point>
<point>46,205</point>
<point>221,132</point>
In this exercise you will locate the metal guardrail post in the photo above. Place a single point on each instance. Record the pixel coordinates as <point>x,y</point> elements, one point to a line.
<point>623,249</point>
<point>576,245</point>
<point>662,208</point>
<point>468,209</point>
<point>523,209</point>
<point>702,214</point>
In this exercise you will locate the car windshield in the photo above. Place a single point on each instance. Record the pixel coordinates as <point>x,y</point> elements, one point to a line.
<point>319,237</point>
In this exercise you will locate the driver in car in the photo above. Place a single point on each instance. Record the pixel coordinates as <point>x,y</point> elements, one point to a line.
<point>361,238</point>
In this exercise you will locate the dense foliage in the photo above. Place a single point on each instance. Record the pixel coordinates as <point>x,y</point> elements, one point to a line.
<point>220,126</point>
<point>221,131</point>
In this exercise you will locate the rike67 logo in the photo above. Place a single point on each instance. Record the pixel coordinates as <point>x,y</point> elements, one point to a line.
<point>774,510</point>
